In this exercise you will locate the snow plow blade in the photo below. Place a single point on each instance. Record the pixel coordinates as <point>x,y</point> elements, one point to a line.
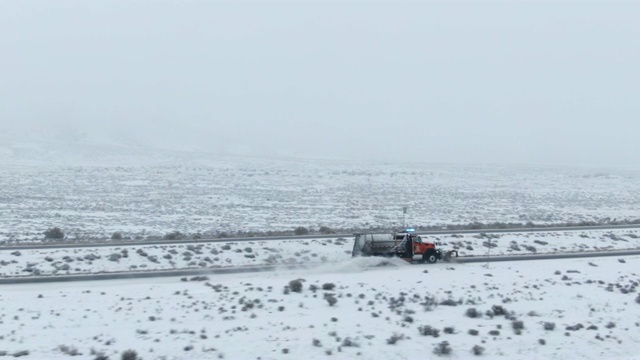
<point>450,255</point>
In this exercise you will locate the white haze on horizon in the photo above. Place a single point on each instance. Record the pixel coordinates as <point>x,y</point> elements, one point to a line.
<point>507,82</point>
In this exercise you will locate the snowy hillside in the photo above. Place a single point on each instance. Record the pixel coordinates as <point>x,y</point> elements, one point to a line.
<point>59,148</point>
<point>94,185</point>
<point>215,194</point>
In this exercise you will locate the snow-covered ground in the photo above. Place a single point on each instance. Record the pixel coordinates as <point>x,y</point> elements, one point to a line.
<point>210,194</point>
<point>548,309</point>
<point>346,308</point>
<point>87,260</point>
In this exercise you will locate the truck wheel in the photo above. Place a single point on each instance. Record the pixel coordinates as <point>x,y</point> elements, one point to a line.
<point>430,257</point>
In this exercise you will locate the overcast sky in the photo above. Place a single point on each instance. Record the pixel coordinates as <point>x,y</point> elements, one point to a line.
<point>464,82</point>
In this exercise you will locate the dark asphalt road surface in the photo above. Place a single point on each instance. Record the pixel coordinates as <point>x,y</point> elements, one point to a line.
<point>108,242</point>
<point>247,269</point>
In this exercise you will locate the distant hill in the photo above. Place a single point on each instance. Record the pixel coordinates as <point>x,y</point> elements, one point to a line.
<point>75,148</point>
<point>20,148</point>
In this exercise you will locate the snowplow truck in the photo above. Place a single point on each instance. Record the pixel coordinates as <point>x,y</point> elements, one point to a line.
<point>404,245</point>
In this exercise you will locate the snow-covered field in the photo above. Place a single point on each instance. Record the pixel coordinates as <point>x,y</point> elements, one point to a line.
<point>87,260</point>
<point>211,194</point>
<point>550,309</point>
<point>337,307</point>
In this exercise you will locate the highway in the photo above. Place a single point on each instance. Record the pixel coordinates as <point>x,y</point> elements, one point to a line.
<point>139,274</point>
<point>547,256</point>
<point>111,243</point>
<point>248,269</point>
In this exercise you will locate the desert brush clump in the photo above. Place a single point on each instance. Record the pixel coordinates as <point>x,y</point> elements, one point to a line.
<point>518,326</point>
<point>328,286</point>
<point>129,355</point>
<point>498,310</point>
<point>477,350</point>
<point>442,348</point>
<point>115,257</point>
<point>348,342</point>
<point>301,230</point>
<point>54,233</point>
<point>450,302</point>
<point>575,327</point>
<point>174,235</point>
<point>331,299</point>
<point>427,330</point>
<point>473,313</point>
<point>326,230</point>
<point>610,325</point>
<point>395,338</point>
<point>295,285</point>
<point>69,350</point>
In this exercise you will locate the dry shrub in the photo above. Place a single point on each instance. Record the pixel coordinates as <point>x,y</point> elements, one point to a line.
<point>442,348</point>
<point>295,285</point>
